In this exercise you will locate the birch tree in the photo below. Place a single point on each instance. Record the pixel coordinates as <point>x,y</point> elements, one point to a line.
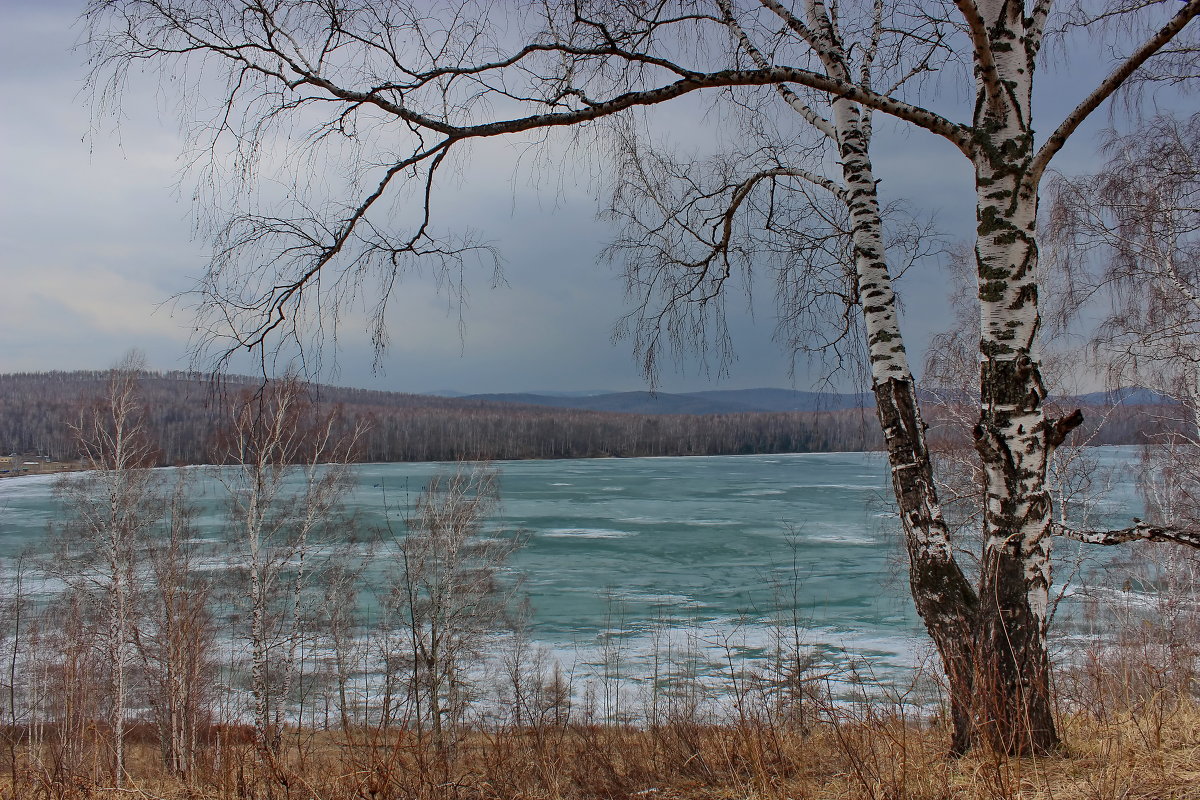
<point>112,506</point>
<point>393,92</point>
<point>284,485</point>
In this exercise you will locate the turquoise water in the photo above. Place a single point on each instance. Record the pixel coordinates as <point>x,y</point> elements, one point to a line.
<point>621,550</point>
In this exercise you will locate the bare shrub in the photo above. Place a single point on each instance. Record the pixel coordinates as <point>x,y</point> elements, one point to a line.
<point>449,596</point>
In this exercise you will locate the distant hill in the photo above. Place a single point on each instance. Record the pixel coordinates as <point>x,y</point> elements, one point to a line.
<point>1125,396</point>
<point>185,412</point>
<point>766,400</point>
<point>727,401</point>
<point>790,399</point>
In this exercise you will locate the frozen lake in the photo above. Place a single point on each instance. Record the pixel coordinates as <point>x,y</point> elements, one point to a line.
<point>621,550</point>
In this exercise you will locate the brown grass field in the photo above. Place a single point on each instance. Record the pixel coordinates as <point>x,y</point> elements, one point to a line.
<point>1152,751</point>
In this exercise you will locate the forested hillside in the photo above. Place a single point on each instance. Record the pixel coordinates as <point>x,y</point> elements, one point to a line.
<point>185,410</point>
<point>720,401</point>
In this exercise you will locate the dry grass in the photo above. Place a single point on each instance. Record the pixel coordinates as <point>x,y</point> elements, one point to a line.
<point>1123,756</point>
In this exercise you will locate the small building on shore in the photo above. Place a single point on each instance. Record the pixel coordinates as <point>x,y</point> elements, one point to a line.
<point>15,464</point>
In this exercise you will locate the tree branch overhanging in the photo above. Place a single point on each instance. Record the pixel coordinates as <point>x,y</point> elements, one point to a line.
<point>594,110</point>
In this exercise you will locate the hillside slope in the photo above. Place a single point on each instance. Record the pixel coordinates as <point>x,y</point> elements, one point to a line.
<point>185,411</point>
<point>717,401</point>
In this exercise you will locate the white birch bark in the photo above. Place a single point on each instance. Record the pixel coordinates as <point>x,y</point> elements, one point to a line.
<point>1012,437</point>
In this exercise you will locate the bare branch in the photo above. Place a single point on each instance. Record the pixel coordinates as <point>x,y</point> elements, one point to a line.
<point>981,42</point>
<point>789,96</point>
<point>1139,531</point>
<point>1109,85</point>
<point>792,21</point>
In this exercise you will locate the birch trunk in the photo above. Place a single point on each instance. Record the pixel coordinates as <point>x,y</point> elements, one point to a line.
<point>260,570</point>
<point>1012,437</point>
<point>118,631</point>
<point>122,490</point>
<point>259,668</point>
<point>943,597</point>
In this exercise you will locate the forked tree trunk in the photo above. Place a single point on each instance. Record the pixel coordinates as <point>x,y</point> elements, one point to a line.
<point>991,638</point>
<point>992,643</point>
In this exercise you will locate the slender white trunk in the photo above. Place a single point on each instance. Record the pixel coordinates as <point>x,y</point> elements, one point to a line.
<point>943,597</point>
<point>117,656</point>
<point>257,590</point>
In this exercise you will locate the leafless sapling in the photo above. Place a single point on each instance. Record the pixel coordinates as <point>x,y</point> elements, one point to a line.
<point>287,472</point>
<point>450,596</point>
<point>112,508</point>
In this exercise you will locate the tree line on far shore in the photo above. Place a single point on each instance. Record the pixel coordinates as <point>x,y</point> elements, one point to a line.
<point>184,409</point>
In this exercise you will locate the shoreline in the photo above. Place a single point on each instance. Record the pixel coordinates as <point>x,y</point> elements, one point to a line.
<point>688,456</point>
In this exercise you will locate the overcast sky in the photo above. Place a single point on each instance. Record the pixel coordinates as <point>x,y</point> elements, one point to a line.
<point>96,237</point>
